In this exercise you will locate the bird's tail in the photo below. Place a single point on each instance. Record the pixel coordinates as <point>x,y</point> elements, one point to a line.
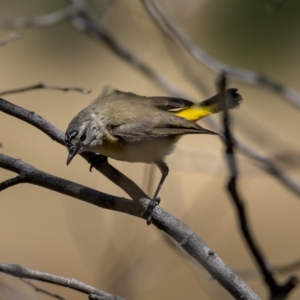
<point>210,106</point>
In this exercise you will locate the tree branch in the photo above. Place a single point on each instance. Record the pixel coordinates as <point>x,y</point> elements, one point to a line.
<point>10,38</point>
<point>87,22</point>
<point>21,272</point>
<point>45,21</point>
<point>42,85</point>
<point>34,176</point>
<point>173,31</point>
<point>276,291</point>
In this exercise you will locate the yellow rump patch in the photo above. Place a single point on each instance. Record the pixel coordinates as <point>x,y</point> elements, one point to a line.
<point>194,112</point>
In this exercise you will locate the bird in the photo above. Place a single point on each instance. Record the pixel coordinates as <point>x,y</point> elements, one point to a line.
<point>134,128</point>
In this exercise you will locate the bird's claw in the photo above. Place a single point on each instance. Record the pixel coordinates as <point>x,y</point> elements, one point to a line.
<point>150,208</point>
<point>96,160</point>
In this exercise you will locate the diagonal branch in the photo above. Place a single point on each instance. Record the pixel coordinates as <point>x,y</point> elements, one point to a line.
<point>276,291</point>
<point>42,85</point>
<point>21,272</point>
<point>10,38</point>
<point>87,22</point>
<point>45,21</point>
<point>173,31</point>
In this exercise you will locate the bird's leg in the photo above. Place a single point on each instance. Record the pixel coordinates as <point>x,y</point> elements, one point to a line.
<point>156,200</point>
<point>96,160</point>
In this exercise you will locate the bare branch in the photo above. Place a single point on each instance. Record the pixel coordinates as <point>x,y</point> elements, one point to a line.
<point>21,272</point>
<point>173,31</point>
<point>186,238</point>
<point>291,267</point>
<point>66,187</point>
<point>280,269</point>
<point>40,290</point>
<point>89,23</point>
<point>33,119</point>
<point>108,9</point>
<point>10,38</point>
<point>45,21</point>
<point>42,85</point>
<point>276,291</point>
<point>197,248</point>
<point>269,166</point>
<point>13,181</point>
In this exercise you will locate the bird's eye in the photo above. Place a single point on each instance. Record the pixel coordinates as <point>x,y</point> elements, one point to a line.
<point>83,137</point>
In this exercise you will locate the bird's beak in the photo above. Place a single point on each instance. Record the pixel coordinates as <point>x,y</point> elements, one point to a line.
<point>72,153</point>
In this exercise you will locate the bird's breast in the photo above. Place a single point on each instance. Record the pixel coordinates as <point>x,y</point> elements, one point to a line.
<point>147,151</point>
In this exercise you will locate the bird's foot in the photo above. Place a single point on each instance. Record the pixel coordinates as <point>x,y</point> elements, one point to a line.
<point>150,208</point>
<point>96,160</point>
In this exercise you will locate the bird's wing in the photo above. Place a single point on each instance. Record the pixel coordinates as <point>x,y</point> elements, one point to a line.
<point>170,103</point>
<point>145,118</point>
<point>157,125</point>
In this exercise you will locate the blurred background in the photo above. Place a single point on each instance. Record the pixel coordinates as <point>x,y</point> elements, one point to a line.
<point>49,232</point>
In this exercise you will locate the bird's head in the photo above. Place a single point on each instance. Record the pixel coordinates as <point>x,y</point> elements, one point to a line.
<point>83,134</point>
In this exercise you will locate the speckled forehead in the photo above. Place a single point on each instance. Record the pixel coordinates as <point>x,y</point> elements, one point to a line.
<point>70,135</point>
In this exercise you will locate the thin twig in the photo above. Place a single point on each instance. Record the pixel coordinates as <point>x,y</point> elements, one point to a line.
<point>45,21</point>
<point>192,244</point>
<point>21,272</point>
<point>288,268</point>
<point>276,291</point>
<point>280,270</point>
<point>22,178</point>
<point>40,290</point>
<point>89,23</point>
<point>42,85</point>
<point>108,9</point>
<point>10,38</point>
<point>173,31</point>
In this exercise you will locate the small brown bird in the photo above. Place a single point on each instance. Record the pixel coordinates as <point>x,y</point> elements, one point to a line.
<point>134,128</point>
